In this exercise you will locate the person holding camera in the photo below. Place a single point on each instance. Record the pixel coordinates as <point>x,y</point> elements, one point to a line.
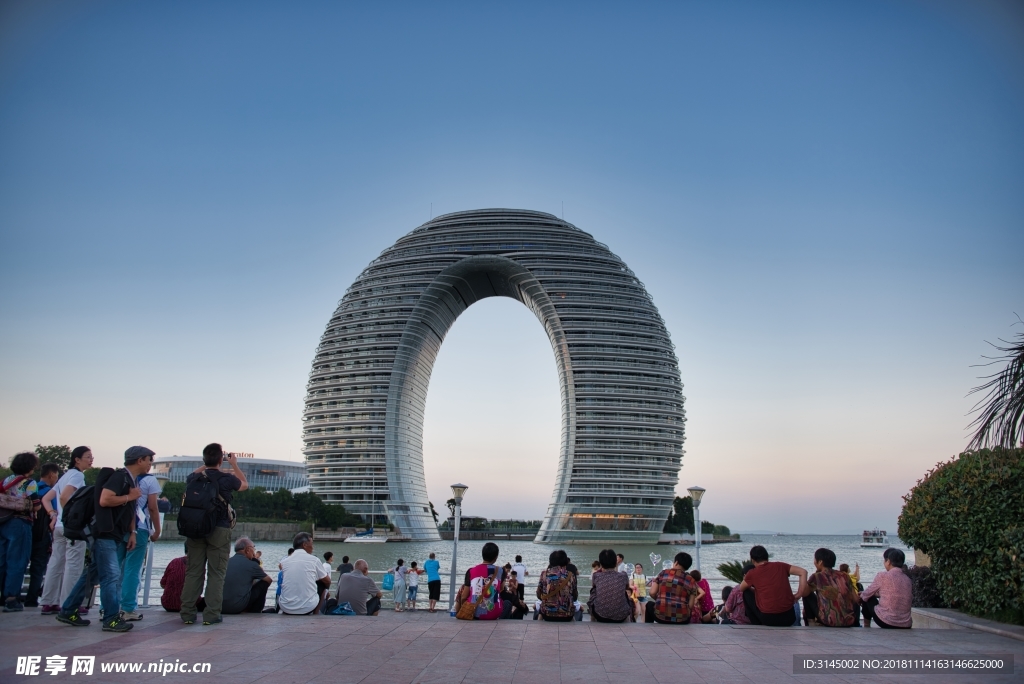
<point>209,554</point>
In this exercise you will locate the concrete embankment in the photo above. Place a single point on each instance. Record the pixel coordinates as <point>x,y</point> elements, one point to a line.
<point>257,531</point>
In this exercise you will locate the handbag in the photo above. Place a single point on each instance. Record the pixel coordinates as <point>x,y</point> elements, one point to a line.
<point>468,610</point>
<point>388,583</point>
<point>11,505</point>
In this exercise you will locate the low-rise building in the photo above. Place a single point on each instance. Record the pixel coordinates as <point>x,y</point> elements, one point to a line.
<point>271,474</point>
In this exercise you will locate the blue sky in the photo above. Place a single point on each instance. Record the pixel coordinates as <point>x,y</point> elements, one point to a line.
<point>825,201</point>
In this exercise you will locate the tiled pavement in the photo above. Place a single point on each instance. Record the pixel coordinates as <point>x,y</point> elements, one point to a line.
<point>421,647</point>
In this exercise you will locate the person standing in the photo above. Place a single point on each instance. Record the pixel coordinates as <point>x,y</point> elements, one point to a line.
<point>767,596</point>
<point>433,569</point>
<point>147,529</point>
<point>67,559</point>
<point>113,534</point>
<point>328,557</point>
<point>42,537</point>
<point>521,574</point>
<point>401,572</point>
<point>16,530</point>
<point>412,580</point>
<point>213,549</point>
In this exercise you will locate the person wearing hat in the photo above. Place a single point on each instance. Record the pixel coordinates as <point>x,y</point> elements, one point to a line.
<point>113,537</point>
<point>139,460</point>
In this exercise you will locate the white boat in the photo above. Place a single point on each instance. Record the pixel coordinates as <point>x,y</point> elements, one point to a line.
<point>875,538</point>
<point>369,536</point>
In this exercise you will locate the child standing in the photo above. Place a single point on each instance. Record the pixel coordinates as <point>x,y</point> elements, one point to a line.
<point>413,582</point>
<point>400,586</point>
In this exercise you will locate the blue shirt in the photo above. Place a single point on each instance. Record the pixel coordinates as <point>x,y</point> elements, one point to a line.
<point>433,570</point>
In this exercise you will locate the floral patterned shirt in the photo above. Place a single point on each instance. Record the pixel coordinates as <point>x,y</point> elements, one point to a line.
<point>836,597</point>
<point>560,604</point>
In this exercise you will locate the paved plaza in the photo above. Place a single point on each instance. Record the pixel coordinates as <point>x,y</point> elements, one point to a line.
<point>421,647</point>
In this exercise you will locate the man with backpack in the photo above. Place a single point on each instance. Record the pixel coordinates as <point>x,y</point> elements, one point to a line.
<point>206,519</point>
<point>104,516</point>
<point>147,529</point>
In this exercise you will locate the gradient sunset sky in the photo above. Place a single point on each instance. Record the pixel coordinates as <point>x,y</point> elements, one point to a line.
<point>826,201</point>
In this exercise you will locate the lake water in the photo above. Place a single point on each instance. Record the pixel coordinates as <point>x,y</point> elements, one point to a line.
<point>793,549</point>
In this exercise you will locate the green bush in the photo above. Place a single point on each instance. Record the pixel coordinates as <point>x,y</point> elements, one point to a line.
<point>968,515</point>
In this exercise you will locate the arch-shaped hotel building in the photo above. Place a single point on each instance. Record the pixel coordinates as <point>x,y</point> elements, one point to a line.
<point>621,393</point>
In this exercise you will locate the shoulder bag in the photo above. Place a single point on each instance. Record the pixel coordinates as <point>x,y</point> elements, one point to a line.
<point>468,610</point>
<point>11,505</point>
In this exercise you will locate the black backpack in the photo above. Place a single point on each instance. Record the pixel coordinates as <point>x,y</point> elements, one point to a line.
<point>201,505</point>
<point>79,514</point>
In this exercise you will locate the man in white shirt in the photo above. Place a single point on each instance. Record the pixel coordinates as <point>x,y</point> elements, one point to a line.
<point>304,580</point>
<point>521,573</point>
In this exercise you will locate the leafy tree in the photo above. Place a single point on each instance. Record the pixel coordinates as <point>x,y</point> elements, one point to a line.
<point>1001,409</point>
<point>433,511</point>
<point>450,503</point>
<point>680,518</point>
<point>174,491</point>
<point>59,454</point>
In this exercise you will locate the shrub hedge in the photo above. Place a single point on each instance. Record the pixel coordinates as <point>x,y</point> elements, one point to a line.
<point>968,515</point>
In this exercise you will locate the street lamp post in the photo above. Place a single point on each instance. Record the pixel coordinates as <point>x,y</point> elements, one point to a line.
<point>458,491</point>
<point>696,493</point>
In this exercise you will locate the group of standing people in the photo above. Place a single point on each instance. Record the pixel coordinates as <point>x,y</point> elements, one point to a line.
<point>100,533</point>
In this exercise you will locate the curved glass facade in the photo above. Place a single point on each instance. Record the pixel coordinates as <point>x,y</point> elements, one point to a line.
<point>621,394</point>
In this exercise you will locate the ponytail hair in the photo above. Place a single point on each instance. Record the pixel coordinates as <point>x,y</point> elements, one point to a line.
<point>78,453</point>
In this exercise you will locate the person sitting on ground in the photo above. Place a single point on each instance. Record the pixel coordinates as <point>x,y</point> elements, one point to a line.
<point>344,567</point>
<point>706,606</point>
<point>556,590</point>
<point>433,569</point>
<point>734,612</point>
<point>638,585</point>
<point>610,593</point>
<point>245,584</point>
<point>304,578</point>
<point>769,599</point>
<point>357,589</point>
<point>854,576</point>
<point>830,600</point>
<point>673,594</point>
<point>328,557</point>
<point>172,581</point>
<point>513,607</point>
<point>483,583</point>
<point>280,580</point>
<point>890,596</point>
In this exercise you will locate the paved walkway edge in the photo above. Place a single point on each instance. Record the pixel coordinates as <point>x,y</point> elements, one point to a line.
<point>947,618</point>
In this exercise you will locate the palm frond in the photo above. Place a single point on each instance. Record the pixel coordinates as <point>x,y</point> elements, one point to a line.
<point>1000,410</point>
<point>732,571</point>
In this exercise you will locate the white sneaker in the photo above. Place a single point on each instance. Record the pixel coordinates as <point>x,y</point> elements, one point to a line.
<point>132,616</point>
